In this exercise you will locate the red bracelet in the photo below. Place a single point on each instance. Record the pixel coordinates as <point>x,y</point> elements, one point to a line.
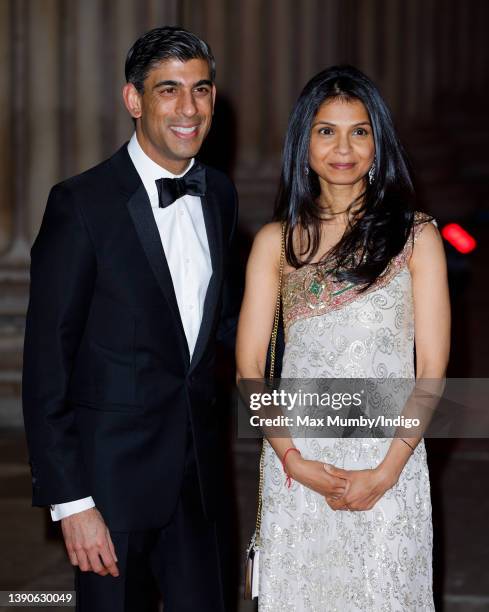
<point>288,480</point>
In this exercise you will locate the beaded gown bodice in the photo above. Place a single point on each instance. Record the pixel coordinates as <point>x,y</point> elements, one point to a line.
<point>352,334</point>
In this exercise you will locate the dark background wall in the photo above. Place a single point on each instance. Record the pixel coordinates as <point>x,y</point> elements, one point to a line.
<point>61,112</point>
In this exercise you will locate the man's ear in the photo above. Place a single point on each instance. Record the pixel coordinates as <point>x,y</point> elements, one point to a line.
<point>132,100</point>
<point>213,97</point>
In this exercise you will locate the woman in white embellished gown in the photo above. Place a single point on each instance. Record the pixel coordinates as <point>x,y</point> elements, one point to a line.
<point>364,278</point>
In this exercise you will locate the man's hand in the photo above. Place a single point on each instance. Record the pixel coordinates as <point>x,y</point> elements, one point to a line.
<point>89,544</point>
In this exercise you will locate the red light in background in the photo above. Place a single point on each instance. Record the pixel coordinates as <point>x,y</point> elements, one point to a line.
<point>459,238</point>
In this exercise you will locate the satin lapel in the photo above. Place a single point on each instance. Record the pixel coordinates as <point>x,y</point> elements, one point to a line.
<point>140,210</point>
<point>212,219</point>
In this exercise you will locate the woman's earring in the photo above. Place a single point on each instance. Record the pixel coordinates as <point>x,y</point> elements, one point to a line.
<point>371,173</point>
<point>306,170</point>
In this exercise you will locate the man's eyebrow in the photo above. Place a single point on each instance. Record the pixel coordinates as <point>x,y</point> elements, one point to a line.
<point>170,83</point>
<point>166,83</point>
<point>203,82</point>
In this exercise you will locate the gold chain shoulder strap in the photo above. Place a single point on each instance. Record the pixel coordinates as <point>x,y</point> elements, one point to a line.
<point>276,318</point>
<point>273,343</point>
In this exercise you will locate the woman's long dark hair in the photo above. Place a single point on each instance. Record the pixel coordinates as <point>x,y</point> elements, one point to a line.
<point>381,218</point>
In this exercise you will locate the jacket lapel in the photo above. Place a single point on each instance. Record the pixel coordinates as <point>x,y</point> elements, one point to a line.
<point>140,210</point>
<point>212,219</point>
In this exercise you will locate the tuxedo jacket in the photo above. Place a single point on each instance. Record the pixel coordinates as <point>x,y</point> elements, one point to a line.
<point>110,393</point>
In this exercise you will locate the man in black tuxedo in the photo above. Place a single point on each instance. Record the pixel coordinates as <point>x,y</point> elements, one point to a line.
<point>128,297</point>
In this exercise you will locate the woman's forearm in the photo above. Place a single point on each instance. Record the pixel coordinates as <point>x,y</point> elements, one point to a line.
<point>421,405</point>
<point>397,456</point>
<point>279,444</point>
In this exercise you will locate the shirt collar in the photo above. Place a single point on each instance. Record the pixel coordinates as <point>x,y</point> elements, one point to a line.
<point>148,170</point>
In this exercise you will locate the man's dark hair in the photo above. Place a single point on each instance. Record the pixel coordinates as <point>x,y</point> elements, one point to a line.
<point>163,44</point>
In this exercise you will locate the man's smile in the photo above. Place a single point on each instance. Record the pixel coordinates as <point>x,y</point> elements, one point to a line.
<point>185,132</point>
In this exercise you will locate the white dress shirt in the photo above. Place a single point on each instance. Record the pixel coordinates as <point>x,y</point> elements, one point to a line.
<point>184,238</point>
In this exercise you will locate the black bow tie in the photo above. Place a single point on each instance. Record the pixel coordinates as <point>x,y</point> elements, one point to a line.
<point>192,183</point>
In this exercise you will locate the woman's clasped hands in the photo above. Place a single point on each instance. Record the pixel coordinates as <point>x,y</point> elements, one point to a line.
<point>343,489</point>
<point>363,488</point>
